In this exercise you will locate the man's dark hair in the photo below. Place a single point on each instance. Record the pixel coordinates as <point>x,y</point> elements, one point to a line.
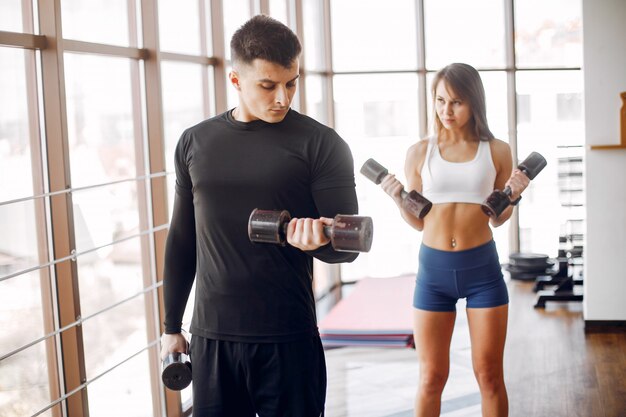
<point>265,38</point>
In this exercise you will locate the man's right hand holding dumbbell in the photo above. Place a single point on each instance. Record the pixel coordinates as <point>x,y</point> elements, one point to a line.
<point>172,343</point>
<point>308,234</point>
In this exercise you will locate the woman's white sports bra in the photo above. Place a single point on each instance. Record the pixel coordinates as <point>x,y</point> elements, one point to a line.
<point>457,182</point>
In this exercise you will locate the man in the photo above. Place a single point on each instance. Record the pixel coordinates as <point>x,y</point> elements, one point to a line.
<point>255,347</point>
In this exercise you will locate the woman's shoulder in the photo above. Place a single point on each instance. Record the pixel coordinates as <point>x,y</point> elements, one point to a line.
<point>499,147</point>
<point>500,153</point>
<point>419,148</point>
<point>416,154</point>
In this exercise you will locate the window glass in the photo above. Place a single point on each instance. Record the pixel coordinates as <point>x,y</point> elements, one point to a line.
<point>105,214</point>
<point>316,106</point>
<point>182,102</point>
<point>11,16</point>
<point>279,10</point>
<point>21,314</point>
<point>109,275</point>
<point>179,26</point>
<point>236,13</point>
<point>114,335</point>
<point>464,31</point>
<point>24,386</point>
<point>553,203</point>
<point>17,219</point>
<point>19,252</point>
<point>16,177</point>
<point>99,21</point>
<point>100,119</point>
<point>364,43</point>
<point>313,30</point>
<point>125,391</point>
<point>550,38</point>
<point>391,101</point>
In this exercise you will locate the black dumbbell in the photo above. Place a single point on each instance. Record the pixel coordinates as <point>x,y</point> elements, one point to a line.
<point>347,234</point>
<point>498,200</point>
<point>413,202</point>
<point>176,374</point>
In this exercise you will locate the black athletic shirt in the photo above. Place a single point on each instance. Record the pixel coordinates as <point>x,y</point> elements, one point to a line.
<point>251,292</point>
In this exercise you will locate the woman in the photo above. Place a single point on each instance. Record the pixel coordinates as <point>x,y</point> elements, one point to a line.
<point>456,169</point>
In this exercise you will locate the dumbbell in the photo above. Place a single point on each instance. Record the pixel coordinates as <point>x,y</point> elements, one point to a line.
<point>413,202</point>
<point>176,374</point>
<point>347,234</point>
<point>498,200</point>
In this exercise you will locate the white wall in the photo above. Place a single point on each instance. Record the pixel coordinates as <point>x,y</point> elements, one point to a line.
<point>604,46</point>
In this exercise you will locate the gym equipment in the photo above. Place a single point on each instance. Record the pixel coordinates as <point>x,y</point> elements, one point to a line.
<point>498,201</point>
<point>529,266</point>
<point>566,283</point>
<point>347,234</point>
<point>176,374</point>
<point>566,290</point>
<point>413,202</point>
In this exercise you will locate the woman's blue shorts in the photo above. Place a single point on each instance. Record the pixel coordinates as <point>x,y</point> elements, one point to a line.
<point>443,277</point>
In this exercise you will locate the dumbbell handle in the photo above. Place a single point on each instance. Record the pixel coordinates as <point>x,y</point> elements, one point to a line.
<point>328,230</point>
<point>531,166</point>
<point>413,202</point>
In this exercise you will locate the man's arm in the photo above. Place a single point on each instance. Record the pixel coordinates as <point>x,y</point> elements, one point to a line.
<point>180,247</point>
<point>180,262</point>
<point>330,202</point>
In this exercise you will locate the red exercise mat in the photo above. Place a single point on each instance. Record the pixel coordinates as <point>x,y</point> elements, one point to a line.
<point>377,312</point>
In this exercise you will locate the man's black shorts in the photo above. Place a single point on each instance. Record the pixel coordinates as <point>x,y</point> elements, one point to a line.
<point>235,379</point>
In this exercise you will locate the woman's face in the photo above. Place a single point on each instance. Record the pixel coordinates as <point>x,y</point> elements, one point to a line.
<point>453,112</point>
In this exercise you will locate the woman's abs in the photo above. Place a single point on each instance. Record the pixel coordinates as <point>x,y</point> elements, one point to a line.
<point>456,226</point>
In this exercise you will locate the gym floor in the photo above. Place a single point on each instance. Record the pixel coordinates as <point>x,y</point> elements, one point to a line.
<point>552,368</point>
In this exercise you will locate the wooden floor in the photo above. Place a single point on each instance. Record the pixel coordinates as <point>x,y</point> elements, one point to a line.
<point>552,369</point>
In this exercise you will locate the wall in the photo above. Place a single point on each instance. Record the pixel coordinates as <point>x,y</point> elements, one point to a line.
<point>604,40</point>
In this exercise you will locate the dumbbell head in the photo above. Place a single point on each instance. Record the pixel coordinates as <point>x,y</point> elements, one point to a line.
<point>533,164</point>
<point>267,226</point>
<point>352,233</point>
<point>416,204</point>
<point>176,374</point>
<point>496,203</point>
<point>374,171</point>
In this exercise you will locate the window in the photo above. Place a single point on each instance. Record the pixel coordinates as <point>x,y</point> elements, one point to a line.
<point>548,34</point>
<point>463,31</point>
<point>569,106</point>
<point>523,108</point>
<point>359,99</point>
<point>83,197</point>
<point>364,43</point>
<point>98,21</point>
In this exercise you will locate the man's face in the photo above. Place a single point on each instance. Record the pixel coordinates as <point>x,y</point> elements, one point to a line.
<point>265,90</point>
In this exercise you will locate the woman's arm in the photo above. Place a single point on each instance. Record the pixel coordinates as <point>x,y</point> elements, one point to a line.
<point>412,166</point>
<point>506,177</point>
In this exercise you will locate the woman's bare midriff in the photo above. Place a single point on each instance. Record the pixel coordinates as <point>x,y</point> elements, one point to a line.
<point>455,227</point>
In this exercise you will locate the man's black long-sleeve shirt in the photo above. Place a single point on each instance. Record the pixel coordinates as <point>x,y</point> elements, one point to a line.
<point>248,291</point>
